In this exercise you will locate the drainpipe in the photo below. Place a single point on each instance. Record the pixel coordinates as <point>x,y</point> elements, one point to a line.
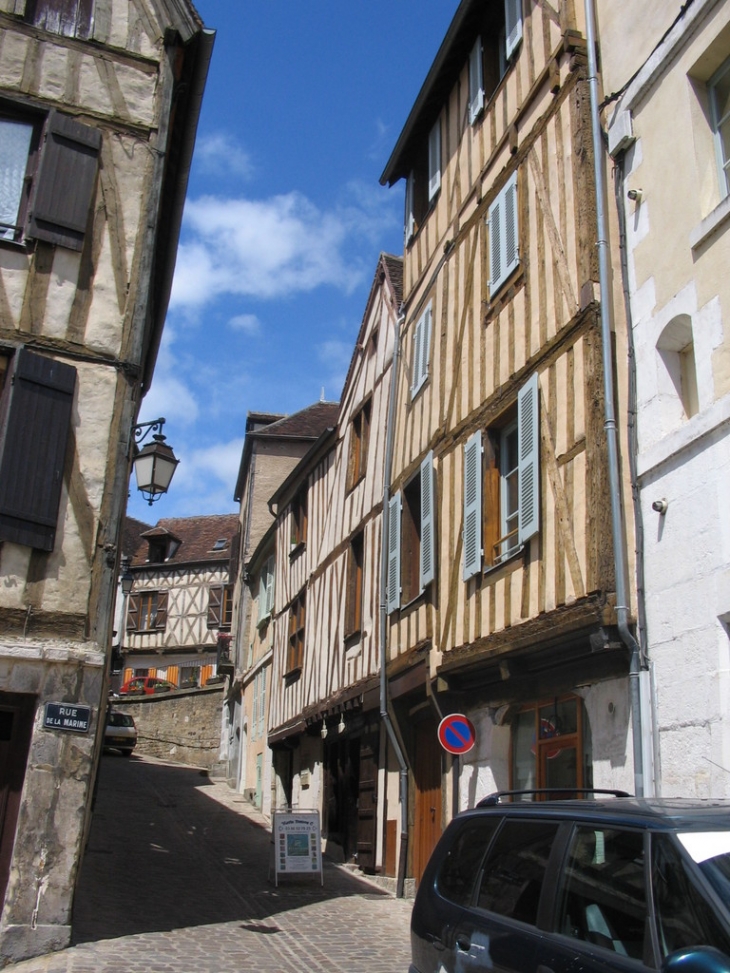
<point>619,545</point>
<point>384,712</point>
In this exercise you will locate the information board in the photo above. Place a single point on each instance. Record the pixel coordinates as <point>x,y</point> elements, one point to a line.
<point>297,844</point>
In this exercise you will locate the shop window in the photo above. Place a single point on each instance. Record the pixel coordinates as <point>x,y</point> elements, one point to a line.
<point>551,746</point>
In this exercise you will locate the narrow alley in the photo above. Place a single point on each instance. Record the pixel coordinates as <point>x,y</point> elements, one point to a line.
<point>176,879</point>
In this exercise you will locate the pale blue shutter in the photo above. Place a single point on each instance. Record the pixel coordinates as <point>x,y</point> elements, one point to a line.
<point>262,595</point>
<point>504,255</point>
<point>513,25</point>
<point>425,343</point>
<point>393,593</point>
<point>528,431</point>
<point>472,505</point>
<point>416,372</point>
<point>476,82</point>
<point>410,221</point>
<point>428,522</point>
<point>434,161</point>
<point>262,702</point>
<point>270,586</point>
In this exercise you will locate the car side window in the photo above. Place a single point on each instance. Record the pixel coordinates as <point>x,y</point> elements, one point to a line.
<point>459,870</point>
<point>683,917</point>
<point>602,895</point>
<point>514,871</point>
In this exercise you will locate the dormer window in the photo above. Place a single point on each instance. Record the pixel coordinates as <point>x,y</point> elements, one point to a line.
<point>157,550</point>
<point>220,544</point>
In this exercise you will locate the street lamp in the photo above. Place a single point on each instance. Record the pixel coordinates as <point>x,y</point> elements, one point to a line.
<point>155,463</point>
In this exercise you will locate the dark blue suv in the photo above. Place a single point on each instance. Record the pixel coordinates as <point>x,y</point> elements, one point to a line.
<point>578,886</point>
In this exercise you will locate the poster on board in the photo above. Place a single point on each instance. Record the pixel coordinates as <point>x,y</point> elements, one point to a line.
<point>297,844</point>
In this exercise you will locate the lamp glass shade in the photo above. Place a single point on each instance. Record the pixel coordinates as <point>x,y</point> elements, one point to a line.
<point>154,466</point>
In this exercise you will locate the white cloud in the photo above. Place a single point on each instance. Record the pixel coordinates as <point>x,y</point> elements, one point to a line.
<point>205,479</point>
<point>219,154</point>
<point>248,323</point>
<point>275,247</point>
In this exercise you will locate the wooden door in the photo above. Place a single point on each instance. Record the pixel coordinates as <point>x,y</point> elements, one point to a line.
<point>428,798</point>
<point>16,728</point>
<point>368,798</point>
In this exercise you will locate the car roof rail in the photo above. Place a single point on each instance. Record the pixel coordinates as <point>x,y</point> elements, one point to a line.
<point>548,792</point>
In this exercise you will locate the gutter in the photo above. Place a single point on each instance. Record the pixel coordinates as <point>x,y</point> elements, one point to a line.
<point>617,523</point>
<point>384,710</point>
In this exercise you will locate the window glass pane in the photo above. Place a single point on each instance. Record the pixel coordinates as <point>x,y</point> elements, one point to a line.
<point>721,96</point>
<point>459,871</point>
<point>558,719</point>
<point>603,899</point>
<point>14,148</point>
<point>523,751</point>
<point>683,917</point>
<point>515,869</point>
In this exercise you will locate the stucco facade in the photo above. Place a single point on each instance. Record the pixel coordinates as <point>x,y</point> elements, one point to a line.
<point>672,197</point>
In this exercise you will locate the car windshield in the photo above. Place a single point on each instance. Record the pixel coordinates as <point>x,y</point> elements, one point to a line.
<point>120,719</point>
<point>711,851</point>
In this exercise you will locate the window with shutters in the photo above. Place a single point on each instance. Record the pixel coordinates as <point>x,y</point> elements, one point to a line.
<point>359,441</point>
<point>424,182</point>
<point>35,419</point>
<point>411,538</point>
<point>299,519</point>
<point>502,485</point>
<point>48,169</point>
<point>147,611</point>
<point>354,589</point>
<point>493,50</point>
<point>504,251</point>
<point>421,350</point>
<point>295,649</point>
<point>266,590</point>
<point>220,606</point>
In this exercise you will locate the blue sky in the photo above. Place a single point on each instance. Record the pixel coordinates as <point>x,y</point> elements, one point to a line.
<point>284,221</point>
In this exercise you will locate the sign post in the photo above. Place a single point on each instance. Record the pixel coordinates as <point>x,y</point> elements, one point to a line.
<point>297,844</point>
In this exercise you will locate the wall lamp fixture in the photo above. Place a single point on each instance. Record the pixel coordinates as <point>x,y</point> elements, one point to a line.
<point>155,463</point>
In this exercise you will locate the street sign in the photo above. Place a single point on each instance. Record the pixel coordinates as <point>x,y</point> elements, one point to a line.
<point>456,733</point>
<point>67,716</point>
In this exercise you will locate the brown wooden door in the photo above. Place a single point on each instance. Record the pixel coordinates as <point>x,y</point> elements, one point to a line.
<point>16,728</point>
<point>427,775</point>
<point>367,798</point>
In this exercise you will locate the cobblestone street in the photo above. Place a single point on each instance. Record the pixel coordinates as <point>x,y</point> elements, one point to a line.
<point>176,880</point>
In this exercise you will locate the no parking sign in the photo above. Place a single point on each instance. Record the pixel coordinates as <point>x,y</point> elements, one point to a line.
<point>456,733</point>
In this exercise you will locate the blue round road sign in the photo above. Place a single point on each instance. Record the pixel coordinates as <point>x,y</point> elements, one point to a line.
<point>456,733</point>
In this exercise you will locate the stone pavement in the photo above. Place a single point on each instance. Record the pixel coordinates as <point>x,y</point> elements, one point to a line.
<point>176,880</point>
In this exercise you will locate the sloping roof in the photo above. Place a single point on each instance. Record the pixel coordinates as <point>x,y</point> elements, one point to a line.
<point>197,536</point>
<point>307,424</point>
<point>443,74</point>
<point>132,530</point>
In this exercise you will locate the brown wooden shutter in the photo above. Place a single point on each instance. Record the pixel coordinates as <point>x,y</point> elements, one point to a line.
<point>70,18</point>
<point>161,613</point>
<point>65,183</point>
<point>215,598</point>
<point>133,613</point>
<point>35,414</point>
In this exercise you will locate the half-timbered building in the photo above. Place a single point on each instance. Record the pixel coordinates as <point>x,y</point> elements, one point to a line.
<point>180,606</point>
<point>330,749</point>
<point>99,104</point>
<point>502,561</point>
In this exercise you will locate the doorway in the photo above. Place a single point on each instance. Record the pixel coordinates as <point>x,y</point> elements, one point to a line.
<point>17,712</point>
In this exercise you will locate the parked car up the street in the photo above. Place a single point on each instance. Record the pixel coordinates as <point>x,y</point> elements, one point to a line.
<point>120,732</point>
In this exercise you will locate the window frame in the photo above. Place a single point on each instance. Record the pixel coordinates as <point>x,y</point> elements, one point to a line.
<point>434,161</point>
<point>412,537</point>
<point>421,350</point>
<point>35,121</point>
<point>504,235</point>
<point>354,590</point>
<point>299,520</point>
<point>359,443</point>
<point>220,606</point>
<point>266,590</point>
<point>149,606</point>
<point>723,158</point>
<point>297,625</point>
<point>484,516</point>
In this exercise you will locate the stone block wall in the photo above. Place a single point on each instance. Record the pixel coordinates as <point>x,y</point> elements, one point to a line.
<point>183,726</point>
